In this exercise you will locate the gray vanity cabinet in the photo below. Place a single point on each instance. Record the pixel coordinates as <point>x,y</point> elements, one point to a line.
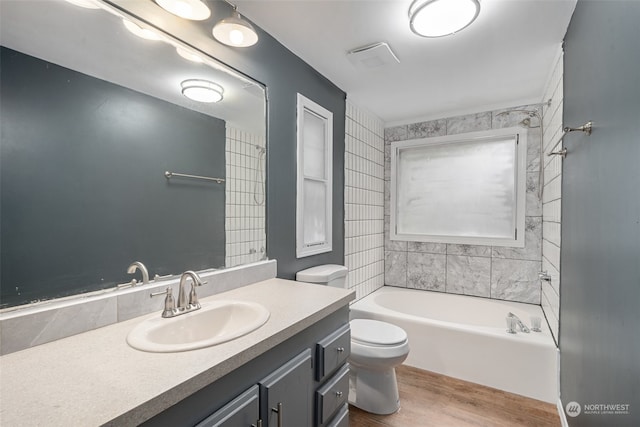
<point>302,382</point>
<point>243,411</point>
<point>286,394</point>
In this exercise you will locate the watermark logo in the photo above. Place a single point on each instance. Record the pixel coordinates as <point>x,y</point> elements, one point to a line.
<point>573,409</point>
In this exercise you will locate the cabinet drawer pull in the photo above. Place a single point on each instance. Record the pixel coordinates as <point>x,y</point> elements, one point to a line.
<point>338,393</point>
<point>278,411</point>
<point>258,424</point>
<point>340,349</point>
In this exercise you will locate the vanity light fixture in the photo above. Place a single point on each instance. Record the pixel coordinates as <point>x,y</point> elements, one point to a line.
<point>87,4</point>
<point>202,90</point>
<point>143,33</point>
<point>187,9</point>
<point>188,55</point>
<point>438,18</point>
<point>235,31</point>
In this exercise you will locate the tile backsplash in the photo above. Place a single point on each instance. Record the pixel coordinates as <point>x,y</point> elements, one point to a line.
<point>487,271</point>
<point>364,201</point>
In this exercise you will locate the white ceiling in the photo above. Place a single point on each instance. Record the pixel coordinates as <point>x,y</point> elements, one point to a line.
<point>502,59</point>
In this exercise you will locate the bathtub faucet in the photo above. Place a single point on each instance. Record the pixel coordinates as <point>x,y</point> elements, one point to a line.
<point>519,322</point>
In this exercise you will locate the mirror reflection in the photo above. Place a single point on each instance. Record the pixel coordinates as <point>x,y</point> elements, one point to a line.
<point>120,144</point>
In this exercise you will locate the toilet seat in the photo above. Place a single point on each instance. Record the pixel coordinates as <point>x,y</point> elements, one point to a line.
<point>376,334</point>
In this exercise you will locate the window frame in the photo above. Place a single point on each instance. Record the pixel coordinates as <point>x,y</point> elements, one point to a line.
<point>304,249</point>
<point>520,176</point>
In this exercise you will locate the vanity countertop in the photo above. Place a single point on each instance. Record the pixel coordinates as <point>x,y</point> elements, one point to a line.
<point>95,378</point>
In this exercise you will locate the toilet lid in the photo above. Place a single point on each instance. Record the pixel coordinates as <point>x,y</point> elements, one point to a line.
<point>376,332</point>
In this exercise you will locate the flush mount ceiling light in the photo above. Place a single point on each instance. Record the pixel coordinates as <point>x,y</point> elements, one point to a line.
<point>143,33</point>
<point>202,90</point>
<point>88,4</point>
<point>187,9</point>
<point>235,31</point>
<point>438,18</point>
<point>188,55</point>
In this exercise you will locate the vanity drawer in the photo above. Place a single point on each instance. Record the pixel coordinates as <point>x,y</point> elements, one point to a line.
<point>332,396</point>
<point>333,351</point>
<point>342,417</point>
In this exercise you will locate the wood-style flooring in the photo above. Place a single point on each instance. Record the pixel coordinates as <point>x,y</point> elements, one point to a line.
<point>433,400</point>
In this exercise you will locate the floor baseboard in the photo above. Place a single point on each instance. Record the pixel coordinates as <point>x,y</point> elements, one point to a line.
<point>563,416</point>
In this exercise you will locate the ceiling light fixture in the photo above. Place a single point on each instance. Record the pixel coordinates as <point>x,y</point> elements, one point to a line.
<point>187,9</point>
<point>88,4</point>
<point>438,18</point>
<point>188,55</point>
<point>235,31</point>
<point>202,90</point>
<point>143,33</point>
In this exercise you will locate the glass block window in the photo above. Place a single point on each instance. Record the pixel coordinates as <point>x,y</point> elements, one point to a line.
<point>464,189</point>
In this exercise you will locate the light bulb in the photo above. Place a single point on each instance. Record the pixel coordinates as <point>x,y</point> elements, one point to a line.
<point>87,4</point>
<point>188,55</point>
<point>236,37</point>
<point>188,9</point>
<point>143,33</point>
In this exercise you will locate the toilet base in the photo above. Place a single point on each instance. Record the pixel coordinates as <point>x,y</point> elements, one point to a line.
<point>374,391</point>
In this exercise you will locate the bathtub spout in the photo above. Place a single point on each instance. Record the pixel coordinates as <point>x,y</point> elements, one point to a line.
<point>522,326</point>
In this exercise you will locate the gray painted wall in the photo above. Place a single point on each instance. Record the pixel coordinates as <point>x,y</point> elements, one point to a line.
<point>600,255</point>
<point>284,75</point>
<point>83,192</point>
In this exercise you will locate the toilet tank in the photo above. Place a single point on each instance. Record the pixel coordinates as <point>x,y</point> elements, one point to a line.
<point>329,274</point>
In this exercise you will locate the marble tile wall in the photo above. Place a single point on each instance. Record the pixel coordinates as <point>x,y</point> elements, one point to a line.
<point>245,196</point>
<point>364,201</point>
<point>552,197</point>
<point>492,272</point>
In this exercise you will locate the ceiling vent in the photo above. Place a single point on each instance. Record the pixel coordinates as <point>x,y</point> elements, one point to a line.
<point>372,56</point>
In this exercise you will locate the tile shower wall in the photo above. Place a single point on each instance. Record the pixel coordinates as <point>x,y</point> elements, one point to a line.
<point>492,272</point>
<point>551,199</point>
<point>364,201</point>
<point>245,197</point>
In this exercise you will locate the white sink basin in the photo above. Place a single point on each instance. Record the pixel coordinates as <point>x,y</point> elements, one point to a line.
<point>216,322</point>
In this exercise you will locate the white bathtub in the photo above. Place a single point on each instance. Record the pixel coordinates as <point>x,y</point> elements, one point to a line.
<point>465,337</point>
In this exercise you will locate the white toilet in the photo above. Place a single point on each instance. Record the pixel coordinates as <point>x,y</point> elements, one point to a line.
<point>376,349</point>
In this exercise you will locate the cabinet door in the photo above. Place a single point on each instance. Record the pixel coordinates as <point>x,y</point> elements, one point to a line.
<point>286,394</point>
<point>332,351</point>
<point>243,411</point>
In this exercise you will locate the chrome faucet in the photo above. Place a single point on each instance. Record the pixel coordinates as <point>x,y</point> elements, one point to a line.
<point>519,322</point>
<point>192,303</point>
<point>184,305</point>
<point>139,266</point>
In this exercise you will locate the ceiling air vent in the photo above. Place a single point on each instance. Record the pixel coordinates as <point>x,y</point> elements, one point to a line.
<point>372,56</point>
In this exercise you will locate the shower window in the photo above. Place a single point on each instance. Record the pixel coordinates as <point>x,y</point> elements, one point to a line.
<point>463,189</point>
<point>315,168</point>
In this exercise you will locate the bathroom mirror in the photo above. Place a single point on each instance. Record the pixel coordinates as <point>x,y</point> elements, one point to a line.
<point>93,117</point>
